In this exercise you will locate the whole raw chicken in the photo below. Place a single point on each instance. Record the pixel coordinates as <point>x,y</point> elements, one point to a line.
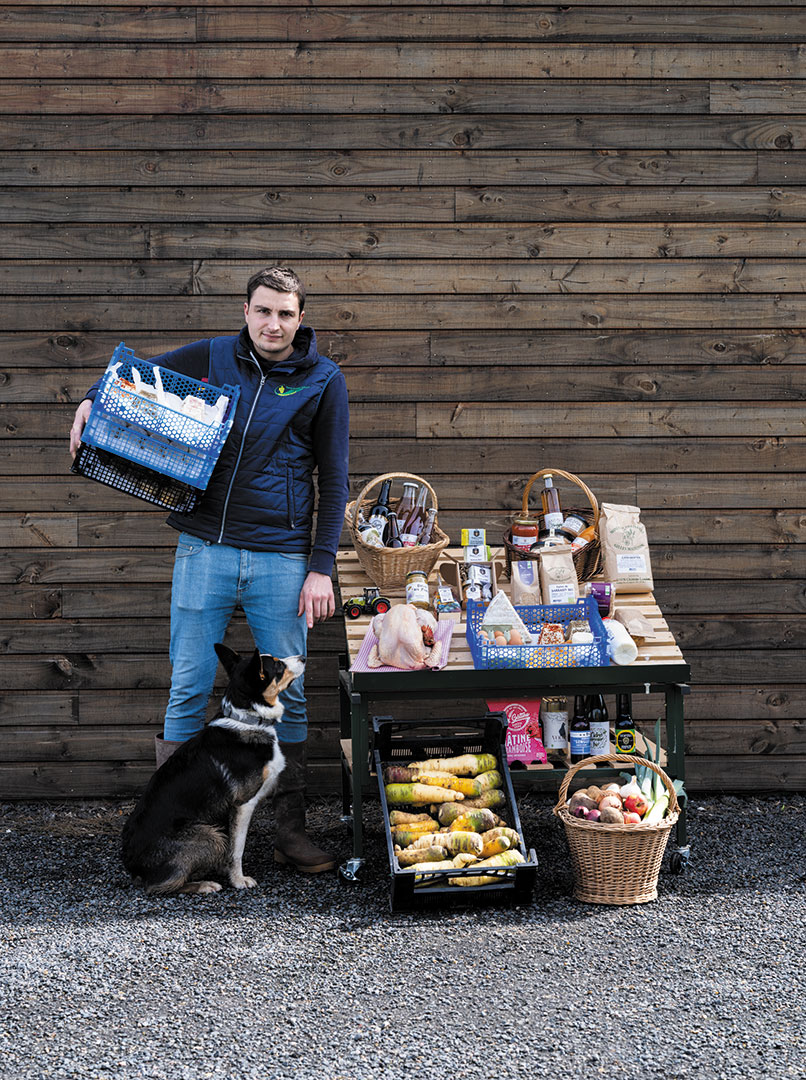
<point>405,639</point>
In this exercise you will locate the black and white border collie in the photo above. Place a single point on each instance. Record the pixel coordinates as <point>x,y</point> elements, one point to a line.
<point>191,822</point>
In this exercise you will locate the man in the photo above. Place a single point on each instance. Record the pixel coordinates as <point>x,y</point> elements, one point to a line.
<point>249,542</point>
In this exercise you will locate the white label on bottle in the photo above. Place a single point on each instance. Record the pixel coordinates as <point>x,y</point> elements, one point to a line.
<point>561,592</point>
<point>580,743</point>
<point>573,524</point>
<point>553,520</point>
<point>600,737</point>
<point>631,564</point>
<point>409,539</point>
<point>378,521</point>
<point>555,730</point>
<point>416,591</point>
<point>523,542</point>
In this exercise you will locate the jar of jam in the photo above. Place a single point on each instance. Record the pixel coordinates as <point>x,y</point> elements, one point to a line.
<point>417,589</point>
<point>524,533</point>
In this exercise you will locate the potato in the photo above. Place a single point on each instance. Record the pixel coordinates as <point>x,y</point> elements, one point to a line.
<point>609,815</point>
<point>578,799</point>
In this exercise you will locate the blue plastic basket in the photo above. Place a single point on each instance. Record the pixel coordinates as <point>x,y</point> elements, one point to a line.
<point>161,438</point>
<point>486,655</point>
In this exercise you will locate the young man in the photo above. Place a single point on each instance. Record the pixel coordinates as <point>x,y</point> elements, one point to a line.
<point>250,541</point>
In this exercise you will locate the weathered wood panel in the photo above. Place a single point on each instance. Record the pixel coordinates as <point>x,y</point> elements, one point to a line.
<point>568,235</point>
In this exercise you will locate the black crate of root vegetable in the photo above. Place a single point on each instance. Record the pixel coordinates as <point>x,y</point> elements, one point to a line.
<point>434,884</point>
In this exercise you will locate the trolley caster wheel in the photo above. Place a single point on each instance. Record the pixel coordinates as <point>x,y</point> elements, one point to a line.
<point>352,870</point>
<point>678,860</point>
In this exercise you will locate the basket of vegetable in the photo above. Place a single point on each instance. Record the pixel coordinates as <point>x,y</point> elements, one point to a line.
<point>387,566</point>
<point>453,832</point>
<point>617,833</point>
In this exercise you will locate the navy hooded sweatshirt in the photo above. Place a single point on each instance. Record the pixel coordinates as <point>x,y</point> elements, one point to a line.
<point>292,418</point>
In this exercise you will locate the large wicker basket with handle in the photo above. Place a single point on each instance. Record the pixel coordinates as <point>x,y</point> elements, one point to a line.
<point>588,560</point>
<point>616,864</point>
<point>388,567</point>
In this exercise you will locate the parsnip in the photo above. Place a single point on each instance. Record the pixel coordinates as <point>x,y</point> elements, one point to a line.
<point>463,765</point>
<point>403,817</point>
<point>501,830</point>
<point>420,794</point>
<point>479,821</point>
<point>495,846</point>
<point>506,858</point>
<point>410,855</point>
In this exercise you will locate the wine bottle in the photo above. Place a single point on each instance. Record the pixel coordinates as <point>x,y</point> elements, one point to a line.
<point>414,524</point>
<point>379,512</point>
<point>427,535</point>
<point>625,725</point>
<point>600,726</point>
<point>552,513</point>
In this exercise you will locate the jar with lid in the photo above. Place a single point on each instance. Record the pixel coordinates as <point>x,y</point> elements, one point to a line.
<point>524,533</point>
<point>417,589</point>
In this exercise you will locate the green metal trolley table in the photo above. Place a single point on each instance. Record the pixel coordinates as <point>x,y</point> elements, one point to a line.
<point>659,669</point>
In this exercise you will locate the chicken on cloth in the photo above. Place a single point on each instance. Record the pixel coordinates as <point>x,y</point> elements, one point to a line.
<point>405,638</point>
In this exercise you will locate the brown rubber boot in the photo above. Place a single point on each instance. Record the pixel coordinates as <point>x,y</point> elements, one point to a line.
<point>163,748</point>
<point>292,845</point>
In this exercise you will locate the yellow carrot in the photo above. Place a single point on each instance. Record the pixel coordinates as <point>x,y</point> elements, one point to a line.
<point>403,835</point>
<point>419,855</point>
<point>419,794</point>
<point>463,765</point>
<point>492,799</point>
<point>506,858</point>
<point>402,817</point>
<point>495,846</point>
<point>479,820</point>
<point>488,780</point>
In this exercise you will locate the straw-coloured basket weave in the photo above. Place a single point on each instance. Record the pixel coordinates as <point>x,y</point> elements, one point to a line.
<point>587,561</point>
<point>616,864</point>
<point>388,567</point>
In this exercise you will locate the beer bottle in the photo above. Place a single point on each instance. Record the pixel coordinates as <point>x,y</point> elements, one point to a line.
<point>369,533</point>
<point>393,539</point>
<point>414,524</point>
<point>625,725</point>
<point>600,727</point>
<point>427,535</point>
<point>552,514</point>
<point>579,734</point>
<point>379,512</point>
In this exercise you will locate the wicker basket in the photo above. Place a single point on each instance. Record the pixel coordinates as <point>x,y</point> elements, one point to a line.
<point>616,864</point>
<point>388,567</point>
<point>588,560</point>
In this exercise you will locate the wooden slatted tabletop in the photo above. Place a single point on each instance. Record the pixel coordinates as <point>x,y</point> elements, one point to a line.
<point>661,649</point>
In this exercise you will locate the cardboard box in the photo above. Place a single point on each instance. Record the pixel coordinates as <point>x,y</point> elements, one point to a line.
<point>454,575</point>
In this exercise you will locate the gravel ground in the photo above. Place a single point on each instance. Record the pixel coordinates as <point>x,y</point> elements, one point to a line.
<point>315,978</point>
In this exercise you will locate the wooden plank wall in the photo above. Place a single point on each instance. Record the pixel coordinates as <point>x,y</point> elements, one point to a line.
<point>564,235</point>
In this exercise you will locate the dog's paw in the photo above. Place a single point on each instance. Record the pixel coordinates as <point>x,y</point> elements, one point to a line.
<point>207,887</point>
<point>242,882</point>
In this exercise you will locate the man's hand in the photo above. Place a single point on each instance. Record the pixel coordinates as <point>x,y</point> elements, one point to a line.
<point>316,600</point>
<point>79,423</point>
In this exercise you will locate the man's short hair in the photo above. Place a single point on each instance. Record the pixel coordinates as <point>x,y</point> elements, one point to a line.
<point>279,278</point>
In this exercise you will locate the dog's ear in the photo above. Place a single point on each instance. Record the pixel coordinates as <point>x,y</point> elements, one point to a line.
<point>228,657</point>
<point>254,669</point>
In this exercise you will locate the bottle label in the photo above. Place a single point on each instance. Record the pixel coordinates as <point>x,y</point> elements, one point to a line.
<point>555,730</point>
<point>625,740</point>
<point>523,542</point>
<point>600,737</point>
<point>553,519</point>
<point>409,539</point>
<point>580,743</point>
<point>573,524</point>
<point>378,521</point>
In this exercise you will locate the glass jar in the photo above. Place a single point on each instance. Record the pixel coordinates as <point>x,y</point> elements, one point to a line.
<point>417,589</point>
<point>524,533</point>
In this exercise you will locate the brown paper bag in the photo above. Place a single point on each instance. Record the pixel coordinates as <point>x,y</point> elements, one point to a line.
<point>558,576</point>
<point>625,550</point>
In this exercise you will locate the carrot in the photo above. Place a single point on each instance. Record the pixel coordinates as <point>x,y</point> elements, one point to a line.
<point>454,842</point>
<point>398,774</point>
<point>473,821</point>
<point>510,834</point>
<point>449,812</point>
<point>492,799</point>
<point>419,855</point>
<point>407,834</point>
<point>495,846</point>
<point>463,765</point>
<point>465,784</point>
<point>506,858</point>
<point>488,780</point>
<point>402,817</point>
<point>419,794</point>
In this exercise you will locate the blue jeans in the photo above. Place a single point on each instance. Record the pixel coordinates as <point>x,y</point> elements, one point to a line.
<point>209,580</point>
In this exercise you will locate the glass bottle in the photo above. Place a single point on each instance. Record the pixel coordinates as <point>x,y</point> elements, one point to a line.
<point>369,533</point>
<point>379,512</point>
<point>552,513</point>
<point>393,539</point>
<point>583,539</point>
<point>600,726</point>
<point>427,535</point>
<point>412,527</point>
<point>407,500</point>
<point>555,729</point>
<point>579,733</point>
<point>625,725</point>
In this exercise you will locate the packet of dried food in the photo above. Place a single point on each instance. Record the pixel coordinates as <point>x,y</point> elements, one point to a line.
<point>558,576</point>
<point>625,550</point>
<point>525,581</point>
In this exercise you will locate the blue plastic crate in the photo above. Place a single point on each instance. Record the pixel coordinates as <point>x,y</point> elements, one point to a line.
<point>540,656</point>
<point>137,427</point>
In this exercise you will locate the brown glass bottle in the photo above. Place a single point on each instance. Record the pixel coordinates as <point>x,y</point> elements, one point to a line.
<point>415,523</point>
<point>393,539</point>
<point>579,733</point>
<point>427,535</point>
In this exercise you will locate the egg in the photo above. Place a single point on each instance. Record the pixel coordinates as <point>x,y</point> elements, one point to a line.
<point>515,638</point>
